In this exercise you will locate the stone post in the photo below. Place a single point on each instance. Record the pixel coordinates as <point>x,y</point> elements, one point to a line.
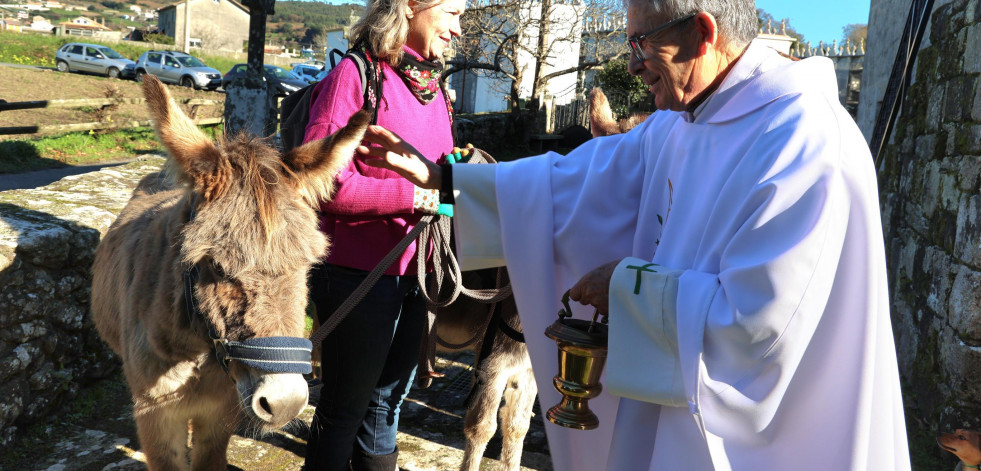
<point>250,102</point>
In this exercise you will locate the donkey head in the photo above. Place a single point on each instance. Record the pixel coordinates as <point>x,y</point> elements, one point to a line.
<point>253,237</point>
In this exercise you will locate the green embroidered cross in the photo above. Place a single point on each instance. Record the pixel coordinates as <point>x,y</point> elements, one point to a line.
<point>640,270</point>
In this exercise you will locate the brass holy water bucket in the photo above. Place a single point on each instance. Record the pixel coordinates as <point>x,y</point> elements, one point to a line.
<point>582,348</point>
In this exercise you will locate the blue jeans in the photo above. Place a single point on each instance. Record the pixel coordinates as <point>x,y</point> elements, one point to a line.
<point>368,363</point>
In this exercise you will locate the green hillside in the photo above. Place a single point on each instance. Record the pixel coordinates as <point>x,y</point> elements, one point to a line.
<point>295,23</point>
<point>304,23</point>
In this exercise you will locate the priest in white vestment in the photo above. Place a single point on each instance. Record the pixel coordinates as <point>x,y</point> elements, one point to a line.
<point>734,238</point>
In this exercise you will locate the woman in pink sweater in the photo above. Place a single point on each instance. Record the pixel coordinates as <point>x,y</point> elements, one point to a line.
<point>369,360</point>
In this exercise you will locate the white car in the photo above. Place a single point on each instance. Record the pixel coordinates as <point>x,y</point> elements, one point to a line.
<point>307,72</point>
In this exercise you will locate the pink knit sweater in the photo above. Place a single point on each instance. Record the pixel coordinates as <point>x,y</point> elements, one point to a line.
<point>372,208</point>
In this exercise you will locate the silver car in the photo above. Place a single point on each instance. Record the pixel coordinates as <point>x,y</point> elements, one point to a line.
<point>178,68</point>
<point>93,58</point>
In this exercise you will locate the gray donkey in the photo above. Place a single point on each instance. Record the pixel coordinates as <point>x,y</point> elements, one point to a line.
<point>201,287</point>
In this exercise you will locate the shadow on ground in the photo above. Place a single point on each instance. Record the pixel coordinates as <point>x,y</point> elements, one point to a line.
<point>57,171</point>
<point>430,436</point>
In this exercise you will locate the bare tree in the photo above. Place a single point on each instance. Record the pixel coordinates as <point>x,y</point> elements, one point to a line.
<point>214,39</point>
<point>527,44</point>
<point>856,33</point>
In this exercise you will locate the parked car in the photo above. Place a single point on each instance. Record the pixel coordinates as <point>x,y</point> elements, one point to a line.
<point>93,58</point>
<point>286,82</point>
<point>179,68</point>
<point>307,72</point>
<point>321,75</point>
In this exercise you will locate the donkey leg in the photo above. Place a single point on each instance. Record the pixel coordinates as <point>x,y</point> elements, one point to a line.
<point>519,400</point>
<point>209,442</point>
<point>481,421</point>
<point>215,416</point>
<point>163,439</point>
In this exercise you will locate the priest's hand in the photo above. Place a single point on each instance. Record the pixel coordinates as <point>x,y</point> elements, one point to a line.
<point>594,288</point>
<point>400,157</point>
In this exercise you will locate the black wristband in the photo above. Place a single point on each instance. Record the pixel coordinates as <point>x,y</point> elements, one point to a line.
<point>446,187</point>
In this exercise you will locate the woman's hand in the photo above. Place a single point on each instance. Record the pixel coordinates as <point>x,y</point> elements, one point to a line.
<point>594,287</point>
<point>400,157</point>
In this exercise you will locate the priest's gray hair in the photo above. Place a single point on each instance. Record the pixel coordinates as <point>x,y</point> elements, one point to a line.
<point>738,24</point>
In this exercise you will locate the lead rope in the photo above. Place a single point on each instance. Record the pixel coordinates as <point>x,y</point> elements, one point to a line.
<point>446,266</point>
<point>443,259</point>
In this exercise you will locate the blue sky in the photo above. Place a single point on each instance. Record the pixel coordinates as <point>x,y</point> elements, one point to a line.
<point>817,21</point>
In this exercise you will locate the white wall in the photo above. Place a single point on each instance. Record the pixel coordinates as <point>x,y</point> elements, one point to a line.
<point>887,19</point>
<point>491,92</point>
<point>335,40</point>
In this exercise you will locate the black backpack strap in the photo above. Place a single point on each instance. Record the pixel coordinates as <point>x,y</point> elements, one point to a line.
<point>362,62</point>
<point>371,79</point>
<point>334,52</point>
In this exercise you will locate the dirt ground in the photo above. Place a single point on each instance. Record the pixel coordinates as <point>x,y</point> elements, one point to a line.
<point>26,84</point>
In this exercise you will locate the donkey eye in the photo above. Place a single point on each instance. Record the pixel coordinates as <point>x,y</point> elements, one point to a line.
<point>217,269</point>
<point>962,437</point>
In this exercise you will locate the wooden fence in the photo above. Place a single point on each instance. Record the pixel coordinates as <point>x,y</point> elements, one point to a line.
<point>97,103</point>
<point>576,111</point>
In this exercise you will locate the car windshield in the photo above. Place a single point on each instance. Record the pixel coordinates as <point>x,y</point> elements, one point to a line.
<point>110,53</point>
<point>190,61</point>
<point>280,73</point>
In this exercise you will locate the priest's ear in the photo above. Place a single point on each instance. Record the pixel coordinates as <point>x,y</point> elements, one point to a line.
<point>707,31</point>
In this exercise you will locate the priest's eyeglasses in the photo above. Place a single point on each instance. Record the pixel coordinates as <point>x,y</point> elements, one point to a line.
<point>637,42</point>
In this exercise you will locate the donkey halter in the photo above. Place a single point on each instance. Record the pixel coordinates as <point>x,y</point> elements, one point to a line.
<point>269,354</point>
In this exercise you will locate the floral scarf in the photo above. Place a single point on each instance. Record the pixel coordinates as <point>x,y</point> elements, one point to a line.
<point>422,78</point>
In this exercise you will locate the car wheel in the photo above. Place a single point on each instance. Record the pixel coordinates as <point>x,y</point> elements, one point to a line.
<point>62,66</point>
<point>113,72</point>
<point>139,75</point>
<point>187,82</point>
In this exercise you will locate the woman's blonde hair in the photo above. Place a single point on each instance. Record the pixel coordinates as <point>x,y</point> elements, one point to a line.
<point>384,27</point>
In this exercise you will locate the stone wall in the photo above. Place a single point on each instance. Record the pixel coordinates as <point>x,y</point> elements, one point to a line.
<point>49,348</point>
<point>494,131</point>
<point>930,180</point>
<point>886,21</point>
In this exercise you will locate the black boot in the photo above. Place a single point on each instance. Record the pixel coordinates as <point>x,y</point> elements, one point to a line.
<point>361,461</point>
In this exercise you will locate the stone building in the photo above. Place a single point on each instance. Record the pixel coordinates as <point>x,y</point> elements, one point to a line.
<point>848,59</point>
<point>215,24</point>
<point>930,177</point>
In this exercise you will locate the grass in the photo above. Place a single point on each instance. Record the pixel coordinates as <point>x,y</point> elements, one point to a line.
<point>39,49</point>
<point>74,149</point>
<point>80,149</point>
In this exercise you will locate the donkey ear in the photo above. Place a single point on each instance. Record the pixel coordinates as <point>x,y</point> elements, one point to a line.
<point>316,163</point>
<point>197,158</point>
<point>601,120</point>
